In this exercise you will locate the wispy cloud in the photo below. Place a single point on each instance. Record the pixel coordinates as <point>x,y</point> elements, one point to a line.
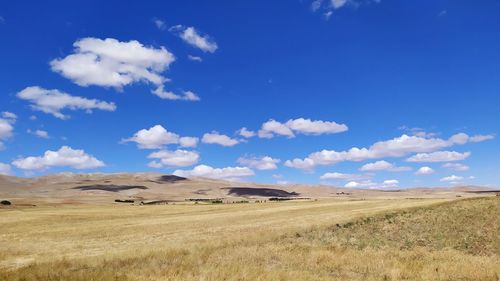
<point>193,37</point>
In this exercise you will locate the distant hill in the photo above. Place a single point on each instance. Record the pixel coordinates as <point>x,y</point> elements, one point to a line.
<point>100,188</point>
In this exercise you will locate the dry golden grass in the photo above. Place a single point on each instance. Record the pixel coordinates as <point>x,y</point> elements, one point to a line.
<point>271,241</point>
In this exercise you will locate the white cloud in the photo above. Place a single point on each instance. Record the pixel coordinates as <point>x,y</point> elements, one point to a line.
<point>228,173</point>
<point>244,132</point>
<point>160,24</point>
<point>452,179</point>
<point>327,15</point>
<point>40,133</point>
<point>390,183</point>
<point>216,138</point>
<point>316,127</point>
<point>463,138</point>
<point>480,138</point>
<point>383,166</point>
<point>333,5</point>
<point>188,142</point>
<point>300,125</point>
<point>169,95</point>
<point>337,4</point>
<point>195,58</point>
<point>439,156</point>
<point>419,132</point>
<point>9,115</point>
<point>302,164</point>
<point>342,176</point>
<point>54,101</point>
<point>260,163</point>
<point>369,184</point>
<point>316,4</point>
<point>456,166</point>
<point>153,138</point>
<point>112,63</point>
<point>177,158</point>
<point>190,96</point>
<point>397,147</point>
<point>6,129</point>
<point>5,169</point>
<point>191,36</point>
<point>272,127</point>
<point>424,171</point>
<point>64,157</point>
<point>360,184</point>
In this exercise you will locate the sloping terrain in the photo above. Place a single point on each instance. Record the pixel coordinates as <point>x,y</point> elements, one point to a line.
<point>98,188</point>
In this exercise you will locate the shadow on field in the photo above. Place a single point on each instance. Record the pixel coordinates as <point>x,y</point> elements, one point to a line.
<point>109,187</point>
<point>264,192</point>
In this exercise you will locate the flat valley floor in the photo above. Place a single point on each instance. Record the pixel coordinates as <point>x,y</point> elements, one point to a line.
<point>325,239</point>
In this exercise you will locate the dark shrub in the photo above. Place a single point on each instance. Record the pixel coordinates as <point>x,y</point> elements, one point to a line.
<point>5,202</point>
<point>124,201</point>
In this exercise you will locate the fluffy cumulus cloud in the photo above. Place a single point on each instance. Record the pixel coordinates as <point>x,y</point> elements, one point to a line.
<point>439,156</point>
<point>397,147</point>
<point>244,132</point>
<point>64,157</point>
<point>300,126</point>
<point>302,164</point>
<point>383,166</point>
<point>54,101</point>
<point>456,166</point>
<point>228,173</point>
<point>153,138</point>
<point>273,127</point>
<point>190,142</point>
<point>6,127</point>
<point>193,37</point>
<point>5,169</point>
<point>452,179</point>
<point>390,183</point>
<point>424,171</point>
<point>177,158</point>
<point>342,176</point>
<point>216,138</point>
<point>318,127</point>
<point>360,184</point>
<point>259,163</point>
<point>113,63</point>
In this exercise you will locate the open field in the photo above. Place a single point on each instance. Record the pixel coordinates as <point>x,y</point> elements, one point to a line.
<point>328,239</point>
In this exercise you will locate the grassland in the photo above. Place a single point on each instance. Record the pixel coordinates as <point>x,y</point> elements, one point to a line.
<point>399,239</point>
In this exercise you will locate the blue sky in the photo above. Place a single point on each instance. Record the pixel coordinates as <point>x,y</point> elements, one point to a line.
<point>356,93</point>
